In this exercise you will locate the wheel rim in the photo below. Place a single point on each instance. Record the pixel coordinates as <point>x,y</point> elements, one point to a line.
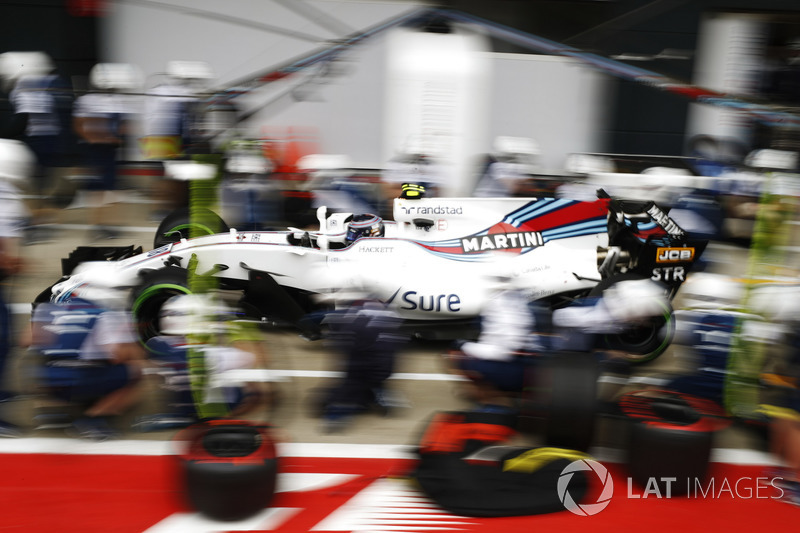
<point>638,338</point>
<point>147,305</point>
<point>183,230</point>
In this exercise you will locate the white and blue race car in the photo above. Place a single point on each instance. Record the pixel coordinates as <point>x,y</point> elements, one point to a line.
<point>435,264</point>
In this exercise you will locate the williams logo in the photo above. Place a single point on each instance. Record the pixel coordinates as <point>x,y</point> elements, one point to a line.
<point>502,241</point>
<point>665,222</point>
<point>674,255</point>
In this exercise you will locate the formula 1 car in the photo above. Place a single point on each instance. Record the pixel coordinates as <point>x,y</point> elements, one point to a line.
<point>435,264</point>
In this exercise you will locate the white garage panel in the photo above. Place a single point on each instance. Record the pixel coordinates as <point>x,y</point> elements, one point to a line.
<point>557,102</point>
<point>553,100</point>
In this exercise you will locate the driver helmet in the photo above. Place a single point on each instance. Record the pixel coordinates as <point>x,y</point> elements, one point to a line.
<point>366,225</point>
<point>189,313</point>
<point>636,300</point>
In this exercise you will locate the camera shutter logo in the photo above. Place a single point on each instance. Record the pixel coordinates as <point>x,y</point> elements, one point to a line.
<point>586,509</point>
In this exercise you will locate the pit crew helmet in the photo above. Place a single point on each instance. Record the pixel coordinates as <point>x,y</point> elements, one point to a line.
<point>115,77</point>
<point>17,161</point>
<point>635,300</point>
<point>16,65</point>
<point>196,75</point>
<point>108,288</point>
<point>365,225</point>
<point>188,313</point>
<point>247,157</point>
<point>519,150</point>
<point>705,290</point>
<point>779,302</point>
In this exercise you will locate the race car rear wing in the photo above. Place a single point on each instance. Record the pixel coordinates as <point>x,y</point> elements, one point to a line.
<point>644,238</point>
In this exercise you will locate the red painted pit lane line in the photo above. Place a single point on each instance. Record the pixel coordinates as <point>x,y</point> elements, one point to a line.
<point>87,492</point>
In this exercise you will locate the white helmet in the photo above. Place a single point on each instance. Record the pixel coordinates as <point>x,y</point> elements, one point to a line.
<point>109,298</point>
<point>15,65</point>
<point>190,313</point>
<point>115,77</point>
<point>522,151</point>
<point>776,301</point>
<point>17,161</point>
<point>328,166</point>
<point>194,74</point>
<point>636,299</point>
<point>107,285</point>
<point>247,157</point>
<point>364,225</point>
<point>704,290</point>
<point>190,70</point>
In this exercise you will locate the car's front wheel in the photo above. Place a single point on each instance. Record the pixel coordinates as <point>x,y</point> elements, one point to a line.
<point>151,294</point>
<point>185,223</point>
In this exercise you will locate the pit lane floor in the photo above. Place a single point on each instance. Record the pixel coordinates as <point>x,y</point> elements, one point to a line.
<point>421,379</point>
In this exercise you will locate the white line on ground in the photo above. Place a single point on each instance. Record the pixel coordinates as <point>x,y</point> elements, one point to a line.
<point>36,445</point>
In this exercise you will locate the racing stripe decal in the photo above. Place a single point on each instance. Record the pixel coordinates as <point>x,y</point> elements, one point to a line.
<point>575,230</point>
<point>535,209</point>
<point>527,228</point>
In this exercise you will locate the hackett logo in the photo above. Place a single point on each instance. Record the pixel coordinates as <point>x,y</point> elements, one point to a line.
<point>502,241</point>
<point>674,255</point>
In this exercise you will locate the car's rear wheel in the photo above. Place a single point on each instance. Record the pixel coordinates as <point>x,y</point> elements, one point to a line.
<point>640,344</point>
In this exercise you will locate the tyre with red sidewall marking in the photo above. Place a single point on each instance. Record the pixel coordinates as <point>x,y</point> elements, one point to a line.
<point>671,436</point>
<point>228,468</point>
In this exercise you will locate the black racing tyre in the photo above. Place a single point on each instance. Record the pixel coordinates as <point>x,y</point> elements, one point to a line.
<point>565,396</point>
<point>642,344</point>
<point>150,295</point>
<point>670,438</point>
<point>229,468</point>
<point>187,222</point>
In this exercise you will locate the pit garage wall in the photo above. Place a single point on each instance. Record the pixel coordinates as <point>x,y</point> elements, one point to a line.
<point>436,101</point>
<point>563,106</point>
<point>556,102</point>
<point>552,100</point>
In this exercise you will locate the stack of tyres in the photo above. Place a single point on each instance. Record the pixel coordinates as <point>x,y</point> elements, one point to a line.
<point>671,437</point>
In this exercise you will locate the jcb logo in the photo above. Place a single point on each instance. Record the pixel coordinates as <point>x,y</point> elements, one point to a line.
<point>674,255</point>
